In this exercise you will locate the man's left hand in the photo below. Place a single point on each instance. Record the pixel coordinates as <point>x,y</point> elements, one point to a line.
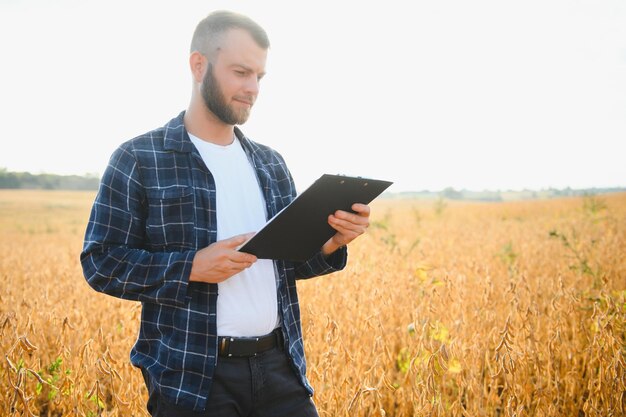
<point>349,226</point>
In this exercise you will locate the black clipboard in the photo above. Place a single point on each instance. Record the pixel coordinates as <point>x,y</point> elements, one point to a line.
<point>299,230</point>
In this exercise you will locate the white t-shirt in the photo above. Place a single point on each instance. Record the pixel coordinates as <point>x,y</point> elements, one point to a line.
<point>246,302</point>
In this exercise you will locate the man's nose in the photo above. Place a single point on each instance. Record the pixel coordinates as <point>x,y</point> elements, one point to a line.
<point>252,85</point>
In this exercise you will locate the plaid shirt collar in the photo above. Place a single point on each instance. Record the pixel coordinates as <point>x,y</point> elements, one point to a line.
<point>177,139</point>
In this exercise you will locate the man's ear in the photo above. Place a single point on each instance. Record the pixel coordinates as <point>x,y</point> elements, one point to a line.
<point>197,64</point>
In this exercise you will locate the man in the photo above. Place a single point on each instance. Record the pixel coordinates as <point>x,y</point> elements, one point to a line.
<point>220,330</point>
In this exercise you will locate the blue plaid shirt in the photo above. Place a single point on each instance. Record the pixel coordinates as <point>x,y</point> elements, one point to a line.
<point>155,208</point>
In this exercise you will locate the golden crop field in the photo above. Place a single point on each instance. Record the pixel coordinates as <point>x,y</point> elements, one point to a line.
<point>445,309</point>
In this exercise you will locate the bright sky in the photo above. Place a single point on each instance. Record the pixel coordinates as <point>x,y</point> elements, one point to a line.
<point>429,94</point>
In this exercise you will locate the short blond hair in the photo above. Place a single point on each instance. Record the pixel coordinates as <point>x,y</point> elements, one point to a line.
<point>211,28</point>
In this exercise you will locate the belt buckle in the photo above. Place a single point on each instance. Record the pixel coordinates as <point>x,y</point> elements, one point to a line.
<point>249,346</point>
<point>239,347</point>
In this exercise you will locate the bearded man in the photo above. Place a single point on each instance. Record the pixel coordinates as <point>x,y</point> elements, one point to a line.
<point>220,331</point>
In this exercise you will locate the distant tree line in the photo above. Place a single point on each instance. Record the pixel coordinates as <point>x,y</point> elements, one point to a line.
<point>26,180</point>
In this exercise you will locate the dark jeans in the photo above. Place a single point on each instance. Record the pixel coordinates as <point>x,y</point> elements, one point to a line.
<point>260,386</point>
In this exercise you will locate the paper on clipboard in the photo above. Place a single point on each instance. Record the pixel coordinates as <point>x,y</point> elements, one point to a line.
<point>298,231</point>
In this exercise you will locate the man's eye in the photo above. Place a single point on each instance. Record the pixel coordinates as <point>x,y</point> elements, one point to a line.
<point>240,73</point>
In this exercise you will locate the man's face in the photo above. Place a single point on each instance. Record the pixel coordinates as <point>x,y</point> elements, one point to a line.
<point>231,83</point>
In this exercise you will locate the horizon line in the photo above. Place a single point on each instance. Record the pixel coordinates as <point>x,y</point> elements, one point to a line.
<point>448,188</point>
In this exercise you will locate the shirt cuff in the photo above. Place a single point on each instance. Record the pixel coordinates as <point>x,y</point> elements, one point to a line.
<point>336,261</point>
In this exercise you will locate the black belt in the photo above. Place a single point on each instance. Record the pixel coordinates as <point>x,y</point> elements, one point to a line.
<point>249,346</point>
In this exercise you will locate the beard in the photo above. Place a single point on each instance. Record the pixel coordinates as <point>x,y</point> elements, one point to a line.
<point>216,102</point>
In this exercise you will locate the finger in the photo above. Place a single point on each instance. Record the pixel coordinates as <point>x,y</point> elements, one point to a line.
<point>361,209</point>
<point>231,267</point>
<point>357,219</point>
<point>238,240</point>
<point>242,257</point>
<point>344,237</point>
<point>236,267</point>
<point>346,227</point>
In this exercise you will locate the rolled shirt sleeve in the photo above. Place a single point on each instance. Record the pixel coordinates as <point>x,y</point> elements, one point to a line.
<point>321,265</point>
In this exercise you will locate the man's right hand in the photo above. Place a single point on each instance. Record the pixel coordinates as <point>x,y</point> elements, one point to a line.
<point>221,260</point>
